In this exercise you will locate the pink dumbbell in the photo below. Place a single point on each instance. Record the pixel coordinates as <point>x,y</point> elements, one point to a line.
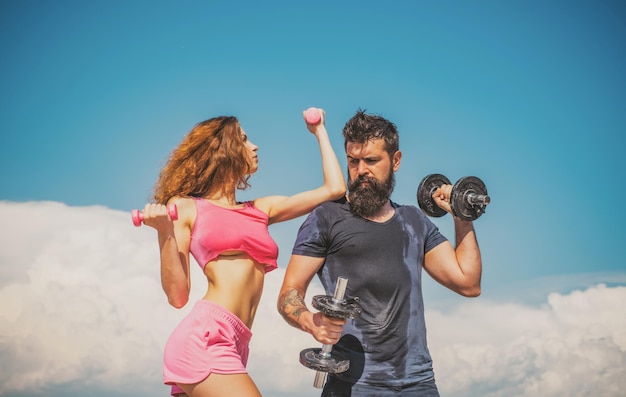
<point>137,215</point>
<point>312,115</point>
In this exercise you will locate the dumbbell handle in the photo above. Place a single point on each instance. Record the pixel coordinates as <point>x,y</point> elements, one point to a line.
<point>470,198</point>
<point>473,199</point>
<point>137,215</point>
<point>340,291</point>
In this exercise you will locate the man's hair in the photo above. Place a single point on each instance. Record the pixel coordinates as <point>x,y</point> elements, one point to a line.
<point>363,127</point>
<point>211,158</point>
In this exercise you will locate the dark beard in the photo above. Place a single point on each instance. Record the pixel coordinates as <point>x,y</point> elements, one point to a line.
<point>367,199</point>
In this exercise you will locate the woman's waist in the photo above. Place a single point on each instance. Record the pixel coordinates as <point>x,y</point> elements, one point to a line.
<point>236,283</point>
<point>243,309</point>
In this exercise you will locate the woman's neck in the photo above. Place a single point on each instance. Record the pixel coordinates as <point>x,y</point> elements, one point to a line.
<point>226,200</point>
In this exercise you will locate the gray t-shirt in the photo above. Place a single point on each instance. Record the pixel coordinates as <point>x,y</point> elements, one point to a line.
<point>383,265</point>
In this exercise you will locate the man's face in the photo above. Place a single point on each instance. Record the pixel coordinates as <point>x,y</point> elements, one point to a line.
<point>370,175</point>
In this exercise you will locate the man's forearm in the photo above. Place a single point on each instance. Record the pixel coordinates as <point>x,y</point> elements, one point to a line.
<point>291,306</point>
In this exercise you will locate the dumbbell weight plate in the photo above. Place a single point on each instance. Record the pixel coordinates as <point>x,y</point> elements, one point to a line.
<point>312,116</point>
<point>425,192</point>
<point>335,364</point>
<point>461,208</point>
<point>348,308</point>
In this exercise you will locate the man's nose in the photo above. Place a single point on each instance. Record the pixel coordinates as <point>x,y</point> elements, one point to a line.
<point>362,169</point>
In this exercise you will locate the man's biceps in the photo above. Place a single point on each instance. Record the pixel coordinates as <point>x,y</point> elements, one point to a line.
<point>304,263</point>
<point>439,257</point>
<point>301,270</point>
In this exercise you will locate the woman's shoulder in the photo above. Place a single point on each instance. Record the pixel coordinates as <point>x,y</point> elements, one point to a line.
<point>185,206</point>
<point>182,201</point>
<point>266,203</point>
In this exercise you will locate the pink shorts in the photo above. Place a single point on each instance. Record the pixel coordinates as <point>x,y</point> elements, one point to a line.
<point>210,339</point>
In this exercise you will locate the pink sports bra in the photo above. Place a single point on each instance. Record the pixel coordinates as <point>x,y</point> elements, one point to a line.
<point>218,229</point>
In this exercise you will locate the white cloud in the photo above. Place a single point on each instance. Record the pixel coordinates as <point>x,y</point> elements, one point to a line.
<point>573,345</point>
<point>82,305</point>
<point>85,300</point>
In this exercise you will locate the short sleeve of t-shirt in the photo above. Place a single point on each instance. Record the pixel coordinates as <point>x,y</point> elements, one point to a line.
<point>312,236</point>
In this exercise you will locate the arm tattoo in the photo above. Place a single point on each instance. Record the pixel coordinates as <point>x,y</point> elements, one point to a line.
<point>292,305</point>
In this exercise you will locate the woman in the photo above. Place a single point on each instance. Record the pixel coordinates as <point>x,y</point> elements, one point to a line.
<point>206,355</point>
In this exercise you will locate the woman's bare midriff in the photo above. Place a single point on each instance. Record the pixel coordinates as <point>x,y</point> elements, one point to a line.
<point>236,283</point>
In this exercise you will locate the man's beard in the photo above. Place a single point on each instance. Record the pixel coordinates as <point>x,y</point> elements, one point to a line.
<point>367,199</point>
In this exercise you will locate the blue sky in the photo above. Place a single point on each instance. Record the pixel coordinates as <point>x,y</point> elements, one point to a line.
<point>527,95</point>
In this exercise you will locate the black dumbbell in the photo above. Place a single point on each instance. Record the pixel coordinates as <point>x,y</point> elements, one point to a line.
<point>324,360</point>
<point>468,199</point>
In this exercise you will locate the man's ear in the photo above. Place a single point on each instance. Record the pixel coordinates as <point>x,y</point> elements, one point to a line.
<point>397,156</point>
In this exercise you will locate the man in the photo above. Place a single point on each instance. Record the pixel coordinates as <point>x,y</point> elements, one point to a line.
<point>381,248</point>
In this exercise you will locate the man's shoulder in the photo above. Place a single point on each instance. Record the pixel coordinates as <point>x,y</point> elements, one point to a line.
<point>409,210</point>
<point>404,207</point>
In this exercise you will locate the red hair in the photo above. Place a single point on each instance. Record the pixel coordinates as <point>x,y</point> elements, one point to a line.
<point>212,158</point>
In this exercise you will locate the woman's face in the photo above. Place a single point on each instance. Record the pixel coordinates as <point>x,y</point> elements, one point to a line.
<point>252,150</point>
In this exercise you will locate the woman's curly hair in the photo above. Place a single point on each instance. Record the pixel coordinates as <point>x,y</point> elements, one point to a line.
<point>211,158</point>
